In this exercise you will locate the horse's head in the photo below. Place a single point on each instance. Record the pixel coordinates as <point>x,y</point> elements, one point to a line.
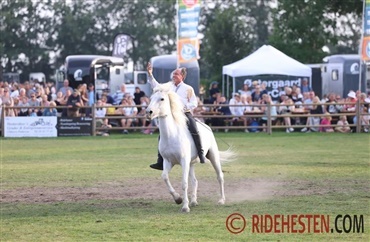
<point>165,102</point>
<point>159,105</point>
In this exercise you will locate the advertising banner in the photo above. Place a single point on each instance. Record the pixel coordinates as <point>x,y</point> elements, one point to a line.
<point>365,55</point>
<point>187,30</point>
<point>30,127</point>
<point>80,126</point>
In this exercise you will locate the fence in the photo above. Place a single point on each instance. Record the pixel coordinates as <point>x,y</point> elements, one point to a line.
<point>228,123</point>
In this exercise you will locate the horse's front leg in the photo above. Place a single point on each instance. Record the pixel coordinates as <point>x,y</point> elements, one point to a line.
<point>167,166</point>
<point>194,182</point>
<point>185,163</point>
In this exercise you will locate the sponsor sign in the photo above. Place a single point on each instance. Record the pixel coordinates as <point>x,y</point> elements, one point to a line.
<point>30,127</point>
<point>80,126</point>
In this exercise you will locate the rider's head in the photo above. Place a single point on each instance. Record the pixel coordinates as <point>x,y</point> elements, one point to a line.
<point>178,75</point>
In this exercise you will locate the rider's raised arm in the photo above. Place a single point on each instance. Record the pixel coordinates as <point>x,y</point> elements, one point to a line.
<point>153,82</point>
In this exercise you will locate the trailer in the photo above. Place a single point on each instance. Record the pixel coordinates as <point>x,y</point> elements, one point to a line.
<point>104,72</point>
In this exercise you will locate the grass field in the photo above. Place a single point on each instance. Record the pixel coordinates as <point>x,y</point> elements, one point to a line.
<point>101,188</point>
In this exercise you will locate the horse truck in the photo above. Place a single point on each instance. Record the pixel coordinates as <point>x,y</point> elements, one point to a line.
<point>106,73</point>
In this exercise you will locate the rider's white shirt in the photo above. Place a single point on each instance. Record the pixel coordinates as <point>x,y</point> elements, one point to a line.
<point>185,92</point>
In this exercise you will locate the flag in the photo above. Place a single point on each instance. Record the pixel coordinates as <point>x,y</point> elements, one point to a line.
<point>187,30</point>
<point>122,42</point>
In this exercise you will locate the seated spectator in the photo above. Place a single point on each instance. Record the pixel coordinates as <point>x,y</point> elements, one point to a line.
<point>364,112</point>
<point>223,110</point>
<point>237,110</point>
<point>144,102</point>
<point>199,110</point>
<point>100,113</point>
<point>285,111</point>
<point>119,95</point>
<point>44,104</point>
<point>316,109</point>
<point>33,102</point>
<point>50,110</point>
<point>333,107</point>
<point>344,126</point>
<point>128,111</point>
<point>326,124</point>
<point>23,102</point>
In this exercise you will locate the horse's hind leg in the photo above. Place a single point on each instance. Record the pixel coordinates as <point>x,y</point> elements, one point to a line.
<point>215,160</point>
<point>166,170</point>
<point>194,182</point>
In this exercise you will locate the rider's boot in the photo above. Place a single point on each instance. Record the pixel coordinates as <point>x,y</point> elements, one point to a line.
<point>159,164</point>
<point>198,144</point>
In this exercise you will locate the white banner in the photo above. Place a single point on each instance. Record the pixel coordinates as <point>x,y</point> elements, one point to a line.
<point>30,127</point>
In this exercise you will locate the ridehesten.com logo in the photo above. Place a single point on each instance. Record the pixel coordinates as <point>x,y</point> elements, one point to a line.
<point>236,223</point>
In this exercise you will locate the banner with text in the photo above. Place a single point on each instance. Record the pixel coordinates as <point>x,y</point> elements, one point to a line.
<point>30,127</point>
<point>187,30</point>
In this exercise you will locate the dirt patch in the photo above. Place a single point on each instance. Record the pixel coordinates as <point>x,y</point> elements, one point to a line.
<point>155,189</point>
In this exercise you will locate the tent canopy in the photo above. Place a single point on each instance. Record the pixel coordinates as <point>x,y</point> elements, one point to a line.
<point>267,60</point>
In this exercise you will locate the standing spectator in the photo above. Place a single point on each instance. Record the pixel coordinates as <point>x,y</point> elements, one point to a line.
<point>65,87</point>
<point>15,91</point>
<point>245,90</point>
<point>91,99</point>
<point>257,95</point>
<point>138,95</point>
<point>304,86</point>
<point>73,104</point>
<point>29,89</point>
<point>273,111</point>
<point>213,91</point>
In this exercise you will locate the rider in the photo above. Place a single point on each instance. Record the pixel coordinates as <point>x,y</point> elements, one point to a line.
<point>188,98</point>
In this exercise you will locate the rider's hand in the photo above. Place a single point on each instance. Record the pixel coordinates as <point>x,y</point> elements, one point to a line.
<point>149,68</point>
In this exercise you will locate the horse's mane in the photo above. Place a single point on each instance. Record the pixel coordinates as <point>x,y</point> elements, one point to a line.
<point>177,107</point>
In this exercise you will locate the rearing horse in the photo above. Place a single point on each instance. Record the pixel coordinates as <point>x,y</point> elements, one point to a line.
<point>176,145</point>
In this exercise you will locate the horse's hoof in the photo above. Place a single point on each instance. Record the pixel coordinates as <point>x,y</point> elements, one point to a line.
<point>178,200</point>
<point>185,210</point>
<point>193,203</point>
<point>221,201</point>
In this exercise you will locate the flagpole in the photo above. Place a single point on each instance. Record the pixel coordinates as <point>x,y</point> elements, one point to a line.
<point>177,34</point>
<point>361,45</point>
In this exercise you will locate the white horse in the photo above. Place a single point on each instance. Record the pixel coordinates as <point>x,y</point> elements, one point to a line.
<point>176,145</point>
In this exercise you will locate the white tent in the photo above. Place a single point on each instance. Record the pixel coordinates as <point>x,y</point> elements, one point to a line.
<point>267,60</point>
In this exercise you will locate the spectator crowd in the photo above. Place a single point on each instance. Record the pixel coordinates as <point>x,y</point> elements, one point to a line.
<point>42,99</point>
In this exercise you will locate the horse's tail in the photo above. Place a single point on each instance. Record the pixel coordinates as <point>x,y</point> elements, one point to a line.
<point>228,155</point>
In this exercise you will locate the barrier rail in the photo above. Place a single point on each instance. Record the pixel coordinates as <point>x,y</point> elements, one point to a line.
<point>214,115</point>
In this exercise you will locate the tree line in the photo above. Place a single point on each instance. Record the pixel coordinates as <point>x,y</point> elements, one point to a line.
<point>36,36</point>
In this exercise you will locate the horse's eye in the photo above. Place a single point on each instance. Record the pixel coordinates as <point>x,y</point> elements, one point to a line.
<point>162,99</point>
